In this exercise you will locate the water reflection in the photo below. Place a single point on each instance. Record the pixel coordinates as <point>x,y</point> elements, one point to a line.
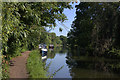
<point>92,67</point>
<point>78,65</point>
<point>44,58</point>
<point>56,50</point>
<point>57,57</point>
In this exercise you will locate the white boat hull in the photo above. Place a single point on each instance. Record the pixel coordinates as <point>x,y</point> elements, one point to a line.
<point>44,57</point>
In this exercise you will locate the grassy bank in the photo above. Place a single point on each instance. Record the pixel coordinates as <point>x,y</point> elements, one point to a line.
<point>35,66</point>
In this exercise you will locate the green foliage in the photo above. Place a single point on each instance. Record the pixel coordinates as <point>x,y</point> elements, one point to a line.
<point>35,65</point>
<point>5,68</point>
<point>96,27</point>
<point>23,23</point>
<point>64,40</point>
<point>37,68</point>
<point>5,71</point>
<point>53,39</point>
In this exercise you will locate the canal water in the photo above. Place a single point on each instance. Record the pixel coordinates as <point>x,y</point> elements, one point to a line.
<point>63,63</point>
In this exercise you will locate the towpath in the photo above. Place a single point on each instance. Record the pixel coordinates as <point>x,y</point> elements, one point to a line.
<point>18,66</point>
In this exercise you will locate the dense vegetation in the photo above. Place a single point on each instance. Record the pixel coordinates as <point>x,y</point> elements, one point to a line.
<point>94,36</point>
<point>96,29</point>
<point>35,66</point>
<point>64,40</point>
<point>24,26</point>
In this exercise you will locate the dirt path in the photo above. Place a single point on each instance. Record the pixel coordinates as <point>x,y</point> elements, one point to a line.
<point>18,68</point>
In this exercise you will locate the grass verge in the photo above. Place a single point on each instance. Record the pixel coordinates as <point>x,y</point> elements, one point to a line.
<point>35,66</point>
<point>5,68</point>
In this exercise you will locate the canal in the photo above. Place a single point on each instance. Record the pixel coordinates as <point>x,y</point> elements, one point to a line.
<point>71,64</point>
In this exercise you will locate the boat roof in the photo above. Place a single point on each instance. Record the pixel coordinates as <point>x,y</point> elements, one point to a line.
<point>42,45</point>
<point>51,45</point>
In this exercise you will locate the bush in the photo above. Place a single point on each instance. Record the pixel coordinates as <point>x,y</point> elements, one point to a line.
<point>35,66</point>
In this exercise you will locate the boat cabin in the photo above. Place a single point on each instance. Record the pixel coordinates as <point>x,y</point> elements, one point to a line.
<point>43,49</point>
<point>51,46</point>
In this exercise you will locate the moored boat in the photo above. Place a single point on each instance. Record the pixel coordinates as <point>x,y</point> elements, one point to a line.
<point>44,57</point>
<point>51,46</point>
<point>43,50</point>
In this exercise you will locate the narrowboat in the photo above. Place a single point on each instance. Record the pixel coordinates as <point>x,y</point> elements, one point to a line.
<point>51,46</point>
<point>43,50</point>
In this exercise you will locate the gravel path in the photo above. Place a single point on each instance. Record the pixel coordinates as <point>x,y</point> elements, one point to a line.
<point>18,66</point>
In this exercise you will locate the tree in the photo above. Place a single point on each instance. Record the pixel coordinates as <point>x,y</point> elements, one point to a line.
<point>96,27</point>
<point>64,40</point>
<point>24,22</point>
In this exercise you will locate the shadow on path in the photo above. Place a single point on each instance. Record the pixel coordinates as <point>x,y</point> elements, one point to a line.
<point>18,67</point>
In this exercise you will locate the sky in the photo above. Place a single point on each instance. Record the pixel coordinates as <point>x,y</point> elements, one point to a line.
<point>70,16</point>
